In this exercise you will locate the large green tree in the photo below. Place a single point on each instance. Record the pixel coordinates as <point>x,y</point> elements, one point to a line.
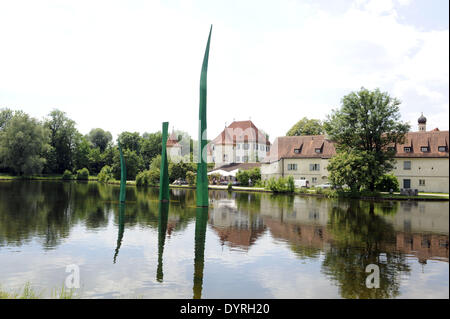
<point>100,138</point>
<point>368,121</point>
<point>63,139</point>
<point>23,140</point>
<point>306,127</point>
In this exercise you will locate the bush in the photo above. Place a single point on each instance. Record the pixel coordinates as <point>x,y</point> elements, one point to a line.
<point>143,178</point>
<point>67,175</point>
<point>281,185</point>
<point>106,174</point>
<point>190,177</point>
<point>230,186</point>
<point>83,174</point>
<point>386,183</point>
<point>242,177</point>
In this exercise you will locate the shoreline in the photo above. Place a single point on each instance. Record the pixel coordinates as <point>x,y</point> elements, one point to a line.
<point>426,197</point>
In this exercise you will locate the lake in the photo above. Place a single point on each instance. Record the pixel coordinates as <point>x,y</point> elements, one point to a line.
<point>245,245</point>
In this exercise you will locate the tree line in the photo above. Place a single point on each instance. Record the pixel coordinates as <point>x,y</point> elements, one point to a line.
<point>29,146</point>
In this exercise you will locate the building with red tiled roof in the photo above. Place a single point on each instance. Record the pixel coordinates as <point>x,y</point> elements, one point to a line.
<point>240,142</point>
<point>173,147</point>
<point>422,161</point>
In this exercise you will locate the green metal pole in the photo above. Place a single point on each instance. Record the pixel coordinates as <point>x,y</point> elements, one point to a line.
<point>164,170</point>
<point>123,176</point>
<point>202,177</point>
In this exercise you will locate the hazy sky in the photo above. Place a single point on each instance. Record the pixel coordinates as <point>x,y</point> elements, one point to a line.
<point>130,65</point>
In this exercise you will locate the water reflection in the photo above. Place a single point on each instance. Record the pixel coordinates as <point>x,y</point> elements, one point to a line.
<point>341,237</point>
<point>163,214</point>
<point>201,220</point>
<point>121,226</point>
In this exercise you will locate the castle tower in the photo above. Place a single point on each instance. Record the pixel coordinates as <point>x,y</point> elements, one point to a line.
<point>422,123</point>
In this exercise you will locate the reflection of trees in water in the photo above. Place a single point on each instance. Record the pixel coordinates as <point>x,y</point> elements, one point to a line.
<point>360,236</point>
<point>49,210</point>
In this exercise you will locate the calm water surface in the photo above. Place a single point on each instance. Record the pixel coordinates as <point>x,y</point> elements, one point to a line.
<point>245,245</point>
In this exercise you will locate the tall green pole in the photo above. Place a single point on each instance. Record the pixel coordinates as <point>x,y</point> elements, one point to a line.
<point>202,177</point>
<point>164,170</point>
<point>123,176</point>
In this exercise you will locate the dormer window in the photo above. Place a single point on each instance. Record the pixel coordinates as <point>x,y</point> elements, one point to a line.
<point>442,148</point>
<point>407,149</point>
<point>297,150</point>
<point>318,150</point>
<point>424,149</point>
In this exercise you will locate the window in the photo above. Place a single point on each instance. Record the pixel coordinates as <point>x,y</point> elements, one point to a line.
<point>245,158</point>
<point>297,150</point>
<point>267,148</point>
<point>407,149</point>
<point>213,147</point>
<point>238,158</point>
<point>314,180</point>
<point>407,165</point>
<point>238,146</point>
<point>421,182</point>
<point>424,149</point>
<point>255,146</point>
<point>292,167</point>
<point>314,167</point>
<point>318,150</point>
<point>391,149</point>
<point>225,157</point>
<point>442,148</point>
<point>246,146</point>
<point>406,183</point>
<point>302,178</point>
<point>213,159</point>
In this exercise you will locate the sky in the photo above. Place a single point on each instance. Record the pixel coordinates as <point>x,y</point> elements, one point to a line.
<point>130,65</point>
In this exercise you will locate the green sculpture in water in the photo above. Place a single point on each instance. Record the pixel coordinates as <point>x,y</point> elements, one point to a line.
<point>164,170</point>
<point>202,177</point>
<point>123,176</point>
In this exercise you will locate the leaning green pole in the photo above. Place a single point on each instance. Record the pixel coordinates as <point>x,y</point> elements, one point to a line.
<point>164,170</point>
<point>123,177</point>
<point>202,177</point>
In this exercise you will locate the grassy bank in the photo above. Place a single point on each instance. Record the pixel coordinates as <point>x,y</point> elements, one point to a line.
<point>27,292</point>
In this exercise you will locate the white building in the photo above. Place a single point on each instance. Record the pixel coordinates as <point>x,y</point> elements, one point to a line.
<point>240,142</point>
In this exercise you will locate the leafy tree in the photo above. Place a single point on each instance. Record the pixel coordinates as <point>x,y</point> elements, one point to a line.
<point>387,182</point>
<point>67,175</point>
<point>242,177</point>
<point>81,152</point>
<point>100,138</point>
<point>130,141</point>
<point>23,140</point>
<point>306,127</point>
<point>368,121</point>
<point>351,169</point>
<point>95,160</point>
<point>191,178</point>
<point>5,116</point>
<point>63,137</point>
<point>151,146</point>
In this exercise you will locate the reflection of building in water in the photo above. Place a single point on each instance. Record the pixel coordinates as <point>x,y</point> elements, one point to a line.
<point>418,228</point>
<point>236,228</point>
<point>423,246</point>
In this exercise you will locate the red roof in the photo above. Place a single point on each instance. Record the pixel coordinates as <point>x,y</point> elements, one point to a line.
<point>241,131</point>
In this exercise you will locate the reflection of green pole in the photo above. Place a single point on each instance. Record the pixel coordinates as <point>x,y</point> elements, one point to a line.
<point>163,215</point>
<point>164,170</point>
<point>202,177</point>
<point>121,229</point>
<point>201,220</point>
<point>123,176</point>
